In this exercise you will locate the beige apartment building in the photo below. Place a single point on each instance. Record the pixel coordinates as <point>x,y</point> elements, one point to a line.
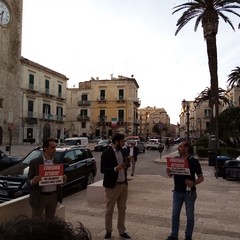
<point>43,102</point>
<point>233,94</point>
<point>198,118</point>
<point>150,116</point>
<point>103,107</point>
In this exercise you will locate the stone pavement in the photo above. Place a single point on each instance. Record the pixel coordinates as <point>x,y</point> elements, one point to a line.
<point>217,213</point>
<point>149,206</point>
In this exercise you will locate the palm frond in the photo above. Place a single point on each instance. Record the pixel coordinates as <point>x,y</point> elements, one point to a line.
<point>234,77</point>
<point>227,20</point>
<point>197,8</point>
<point>206,95</point>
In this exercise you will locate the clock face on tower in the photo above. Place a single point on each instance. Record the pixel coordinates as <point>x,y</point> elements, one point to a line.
<point>5,15</point>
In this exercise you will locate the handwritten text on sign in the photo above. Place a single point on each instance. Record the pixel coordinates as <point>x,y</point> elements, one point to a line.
<point>51,174</point>
<point>178,166</point>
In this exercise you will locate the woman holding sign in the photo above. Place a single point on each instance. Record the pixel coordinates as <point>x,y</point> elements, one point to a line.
<point>45,191</point>
<point>185,172</point>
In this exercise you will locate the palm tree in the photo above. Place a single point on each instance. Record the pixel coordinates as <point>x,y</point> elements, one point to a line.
<point>234,78</point>
<point>208,13</point>
<point>206,95</point>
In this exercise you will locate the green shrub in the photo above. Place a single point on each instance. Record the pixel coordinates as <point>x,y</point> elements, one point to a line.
<point>202,151</point>
<point>224,151</point>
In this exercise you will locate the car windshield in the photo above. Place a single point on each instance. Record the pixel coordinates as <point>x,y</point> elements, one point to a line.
<point>38,153</point>
<point>34,154</point>
<point>71,142</point>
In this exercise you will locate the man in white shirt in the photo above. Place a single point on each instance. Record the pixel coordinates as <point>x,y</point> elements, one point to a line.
<point>44,199</point>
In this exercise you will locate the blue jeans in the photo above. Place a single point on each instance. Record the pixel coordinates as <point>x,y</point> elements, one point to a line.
<point>178,199</point>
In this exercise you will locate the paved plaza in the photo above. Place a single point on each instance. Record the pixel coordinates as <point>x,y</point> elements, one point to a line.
<point>149,209</point>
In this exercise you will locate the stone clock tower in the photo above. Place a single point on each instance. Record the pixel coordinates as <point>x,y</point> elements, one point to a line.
<point>10,70</point>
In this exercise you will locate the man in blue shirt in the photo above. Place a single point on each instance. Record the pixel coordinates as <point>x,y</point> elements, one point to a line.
<point>185,192</point>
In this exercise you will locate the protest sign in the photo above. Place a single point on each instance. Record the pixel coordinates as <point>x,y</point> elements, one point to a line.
<point>51,174</point>
<point>178,166</point>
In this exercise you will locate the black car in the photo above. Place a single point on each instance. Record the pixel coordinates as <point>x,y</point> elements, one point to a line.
<point>102,145</point>
<point>179,139</point>
<point>8,161</point>
<point>79,166</point>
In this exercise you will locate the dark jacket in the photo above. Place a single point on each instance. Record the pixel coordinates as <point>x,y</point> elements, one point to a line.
<point>36,189</point>
<point>108,163</point>
<point>135,152</point>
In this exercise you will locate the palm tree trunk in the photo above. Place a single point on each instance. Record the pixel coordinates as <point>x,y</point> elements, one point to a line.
<point>213,68</point>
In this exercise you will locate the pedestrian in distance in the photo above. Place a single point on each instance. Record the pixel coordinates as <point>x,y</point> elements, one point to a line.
<point>114,165</point>
<point>44,199</point>
<point>185,192</point>
<point>167,144</point>
<point>132,154</point>
<point>25,228</point>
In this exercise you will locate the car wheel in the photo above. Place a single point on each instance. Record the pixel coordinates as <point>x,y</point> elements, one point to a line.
<point>144,150</point>
<point>88,180</point>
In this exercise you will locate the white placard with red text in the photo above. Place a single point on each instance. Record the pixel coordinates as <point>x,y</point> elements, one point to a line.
<point>178,166</point>
<point>51,174</point>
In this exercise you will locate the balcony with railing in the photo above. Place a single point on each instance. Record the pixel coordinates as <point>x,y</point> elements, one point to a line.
<point>30,117</point>
<point>59,118</point>
<point>84,103</point>
<point>121,99</point>
<point>102,99</point>
<point>83,118</point>
<point>47,116</point>
<point>102,121</point>
<point>33,117</point>
<point>60,96</point>
<point>137,102</point>
<point>47,93</point>
<point>32,88</point>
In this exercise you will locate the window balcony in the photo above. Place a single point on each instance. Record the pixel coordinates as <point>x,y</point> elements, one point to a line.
<point>121,99</point>
<point>137,102</point>
<point>30,117</point>
<point>102,99</point>
<point>59,118</point>
<point>32,88</point>
<point>102,120</point>
<point>84,103</point>
<point>47,116</point>
<point>83,118</point>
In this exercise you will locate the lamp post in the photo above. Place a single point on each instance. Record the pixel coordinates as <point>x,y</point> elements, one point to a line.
<point>185,106</point>
<point>102,122</point>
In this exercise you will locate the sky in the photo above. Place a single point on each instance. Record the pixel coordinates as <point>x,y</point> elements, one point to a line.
<point>97,38</point>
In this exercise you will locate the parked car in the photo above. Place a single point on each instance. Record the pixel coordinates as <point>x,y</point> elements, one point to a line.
<point>139,144</point>
<point>83,141</point>
<point>79,166</point>
<point>8,161</point>
<point>152,144</point>
<point>178,140</point>
<point>95,140</point>
<point>102,145</point>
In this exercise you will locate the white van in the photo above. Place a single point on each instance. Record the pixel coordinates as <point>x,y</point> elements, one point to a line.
<point>83,141</point>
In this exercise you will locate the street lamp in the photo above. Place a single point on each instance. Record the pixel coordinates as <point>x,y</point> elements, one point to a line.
<point>185,106</point>
<point>103,122</point>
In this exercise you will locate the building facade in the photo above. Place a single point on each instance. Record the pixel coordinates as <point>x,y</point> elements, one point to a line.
<point>103,107</point>
<point>10,52</point>
<point>233,94</point>
<point>150,116</point>
<point>195,119</point>
<point>43,102</point>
